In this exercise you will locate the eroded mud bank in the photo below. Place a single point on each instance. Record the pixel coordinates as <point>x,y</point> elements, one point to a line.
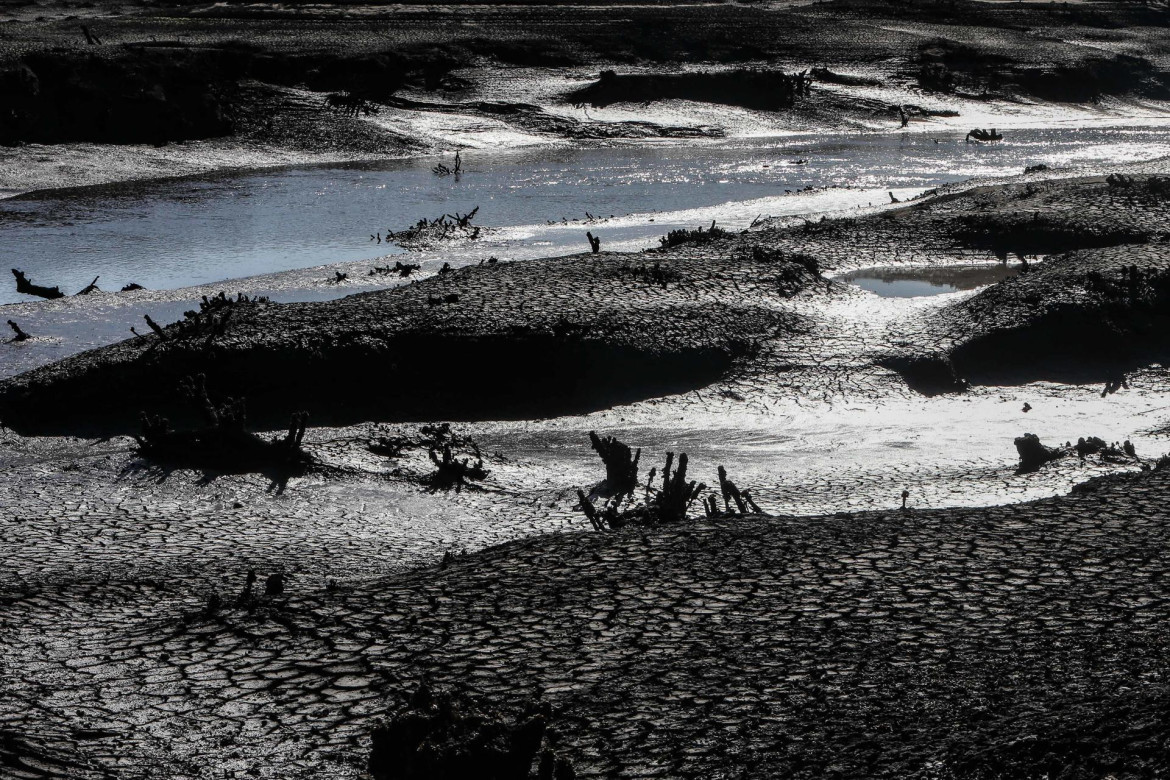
<point>270,84</point>
<point>588,332</point>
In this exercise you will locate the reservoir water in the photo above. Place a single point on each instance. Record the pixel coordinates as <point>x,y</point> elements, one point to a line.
<point>533,202</point>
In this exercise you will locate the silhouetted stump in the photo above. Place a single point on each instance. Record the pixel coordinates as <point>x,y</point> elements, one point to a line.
<point>1033,454</point>
<point>20,334</point>
<point>621,466</point>
<point>23,285</point>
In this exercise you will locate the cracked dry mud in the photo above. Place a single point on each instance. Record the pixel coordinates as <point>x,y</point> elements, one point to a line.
<point>962,643</point>
<point>1014,641</point>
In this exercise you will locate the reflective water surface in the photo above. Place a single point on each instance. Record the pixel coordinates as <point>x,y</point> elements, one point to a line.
<point>181,232</point>
<point>919,282</point>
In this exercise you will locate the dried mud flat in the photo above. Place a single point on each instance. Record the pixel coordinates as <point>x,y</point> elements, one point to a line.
<point>1019,640</point>
<point>1024,640</point>
<point>1013,641</point>
<point>752,311</point>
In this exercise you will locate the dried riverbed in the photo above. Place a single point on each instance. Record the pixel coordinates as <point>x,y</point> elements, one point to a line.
<point>808,644</point>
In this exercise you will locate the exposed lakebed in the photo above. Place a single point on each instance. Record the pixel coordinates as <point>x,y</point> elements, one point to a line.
<point>533,202</point>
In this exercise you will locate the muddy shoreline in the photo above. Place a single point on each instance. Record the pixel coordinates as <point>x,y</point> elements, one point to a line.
<point>719,309</point>
<point>131,578</point>
<point>198,585</point>
<point>358,90</point>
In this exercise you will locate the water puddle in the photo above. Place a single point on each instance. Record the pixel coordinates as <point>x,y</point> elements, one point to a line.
<point>921,282</point>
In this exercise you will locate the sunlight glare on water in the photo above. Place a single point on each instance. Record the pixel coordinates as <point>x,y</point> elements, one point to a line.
<point>176,233</point>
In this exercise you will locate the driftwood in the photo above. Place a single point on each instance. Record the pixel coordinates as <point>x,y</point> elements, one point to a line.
<point>132,287</point>
<point>983,135</point>
<point>23,285</point>
<point>91,287</point>
<point>594,242</point>
<point>20,334</point>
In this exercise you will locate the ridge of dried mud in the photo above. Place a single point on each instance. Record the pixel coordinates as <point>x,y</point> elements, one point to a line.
<point>262,72</point>
<point>971,643</point>
<point>586,332</point>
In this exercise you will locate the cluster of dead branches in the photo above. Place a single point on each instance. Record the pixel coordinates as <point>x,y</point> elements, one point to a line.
<point>697,236</point>
<point>1155,186</point>
<point>657,274</point>
<point>445,227</point>
<point>457,460</point>
<point>402,269</point>
<point>350,104</point>
<point>209,322</point>
<point>455,170</point>
<point>669,503</point>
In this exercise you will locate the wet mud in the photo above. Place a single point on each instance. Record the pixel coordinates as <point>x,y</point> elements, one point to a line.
<point>587,332</point>
<point>163,618</point>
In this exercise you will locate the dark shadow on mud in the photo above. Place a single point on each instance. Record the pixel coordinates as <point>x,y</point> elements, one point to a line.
<point>1069,347</point>
<point>1036,234</point>
<point>419,378</point>
<point>928,375</point>
<point>758,89</point>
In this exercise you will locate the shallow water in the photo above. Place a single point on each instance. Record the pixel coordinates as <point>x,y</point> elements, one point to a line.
<point>799,454</point>
<point>182,232</point>
<point>921,282</point>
